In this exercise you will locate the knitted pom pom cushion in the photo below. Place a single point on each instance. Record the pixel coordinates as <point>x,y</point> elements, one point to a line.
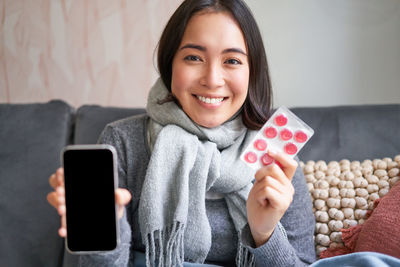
<point>343,194</point>
<point>379,231</point>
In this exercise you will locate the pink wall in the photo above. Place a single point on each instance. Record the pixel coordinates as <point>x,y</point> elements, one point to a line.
<point>81,51</point>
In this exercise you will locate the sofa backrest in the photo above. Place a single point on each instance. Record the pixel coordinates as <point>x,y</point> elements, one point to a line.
<point>91,120</point>
<point>351,132</point>
<point>31,138</point>
<point>356,132</point>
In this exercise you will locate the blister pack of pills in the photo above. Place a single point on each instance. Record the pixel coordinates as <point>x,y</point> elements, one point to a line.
<point>283,132</point>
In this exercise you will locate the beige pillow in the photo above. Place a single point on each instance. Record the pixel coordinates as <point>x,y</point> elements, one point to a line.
<point>343,192</point>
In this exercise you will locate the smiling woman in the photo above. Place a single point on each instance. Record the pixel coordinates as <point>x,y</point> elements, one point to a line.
<point>188,199</point>
<point>256,108</point>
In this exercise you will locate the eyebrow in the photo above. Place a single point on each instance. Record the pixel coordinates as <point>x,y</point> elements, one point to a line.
<point>204,49</point>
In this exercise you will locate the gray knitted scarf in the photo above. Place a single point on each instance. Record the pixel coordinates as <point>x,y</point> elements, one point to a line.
<point>187,161</point>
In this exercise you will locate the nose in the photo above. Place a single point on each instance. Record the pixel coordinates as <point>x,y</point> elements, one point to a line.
<point>212,76</point>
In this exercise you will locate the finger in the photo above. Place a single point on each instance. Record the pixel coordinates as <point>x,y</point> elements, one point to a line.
<point>62,232</point>
<point>60,196</point>
<point>269,195</point>
<point>286,191</point>
<point>63,229</point>
<point>61,210</point>
<point>60,190</point>
<point>56,198</point>
<point>122,196</point>
<point>272,170</point>
<point>53,181</point>
<point>52,199</point>
<point>287,164</point>
<point>60,177</point>
<point>269,181</point>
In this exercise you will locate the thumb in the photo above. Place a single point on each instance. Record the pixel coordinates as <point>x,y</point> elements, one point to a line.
<point>122,198</point>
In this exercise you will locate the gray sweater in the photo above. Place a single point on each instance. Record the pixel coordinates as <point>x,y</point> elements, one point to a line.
<point>129,137</point>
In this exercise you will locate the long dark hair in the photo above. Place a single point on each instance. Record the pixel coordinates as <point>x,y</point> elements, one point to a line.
<point>257,106</point>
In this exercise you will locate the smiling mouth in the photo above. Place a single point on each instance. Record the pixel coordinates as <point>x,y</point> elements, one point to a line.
<point>209,100</point>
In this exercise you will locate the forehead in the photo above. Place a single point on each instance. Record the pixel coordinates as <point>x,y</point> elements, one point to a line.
<point>214,28</point>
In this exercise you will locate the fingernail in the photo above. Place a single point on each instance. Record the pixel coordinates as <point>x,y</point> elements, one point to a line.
<point>271,153</point>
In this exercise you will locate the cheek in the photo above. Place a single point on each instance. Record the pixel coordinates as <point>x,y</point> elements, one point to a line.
<point>178,80</point>
<point>241,83</point>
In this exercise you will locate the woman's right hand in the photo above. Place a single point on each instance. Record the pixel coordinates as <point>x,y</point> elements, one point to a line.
<point>57,199</point>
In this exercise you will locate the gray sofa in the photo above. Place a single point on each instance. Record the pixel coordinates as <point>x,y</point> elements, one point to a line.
<point>32,136</point>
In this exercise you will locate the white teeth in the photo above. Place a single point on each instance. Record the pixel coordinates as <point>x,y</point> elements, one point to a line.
<point>210,100</point>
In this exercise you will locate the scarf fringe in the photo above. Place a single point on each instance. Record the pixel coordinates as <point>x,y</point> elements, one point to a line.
<point>165,248</point>
<point>244,258</point>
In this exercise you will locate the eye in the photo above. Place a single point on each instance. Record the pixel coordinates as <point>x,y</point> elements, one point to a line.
<point>192,58</point>
<point>233,61</point>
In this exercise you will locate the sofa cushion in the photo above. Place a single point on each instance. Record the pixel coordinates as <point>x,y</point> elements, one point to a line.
<point>351,132</point>
<point>31,138</point>
<point>343,194</point>
<point>91,120</point>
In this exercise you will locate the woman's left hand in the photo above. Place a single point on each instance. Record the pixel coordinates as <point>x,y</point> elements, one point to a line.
<point>270,196</point>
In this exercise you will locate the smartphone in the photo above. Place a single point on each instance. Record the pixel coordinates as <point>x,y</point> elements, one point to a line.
<point>90,178</point>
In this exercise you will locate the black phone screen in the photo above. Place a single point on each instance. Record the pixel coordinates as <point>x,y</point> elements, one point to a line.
<point>90,200</point>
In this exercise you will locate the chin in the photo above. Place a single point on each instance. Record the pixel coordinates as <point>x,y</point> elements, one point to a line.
<point>210,124</point>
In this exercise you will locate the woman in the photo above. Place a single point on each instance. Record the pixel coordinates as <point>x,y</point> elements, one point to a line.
<point>188,196</point>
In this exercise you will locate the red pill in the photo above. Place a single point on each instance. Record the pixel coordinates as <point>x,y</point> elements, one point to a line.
<point>281,120</point>
<point>300,136</point>
<point>270,132</point>
<point>290,148</point>
<point>266,159</point>
<point>250,157</point>
<point>286,134</point>
<point>260,144</point>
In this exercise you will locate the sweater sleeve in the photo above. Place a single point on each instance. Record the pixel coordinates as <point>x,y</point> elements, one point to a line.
<point>119,256</point>
<point>295,245</point>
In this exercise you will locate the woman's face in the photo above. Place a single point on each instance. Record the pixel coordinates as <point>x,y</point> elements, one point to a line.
<point>210,70</point>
